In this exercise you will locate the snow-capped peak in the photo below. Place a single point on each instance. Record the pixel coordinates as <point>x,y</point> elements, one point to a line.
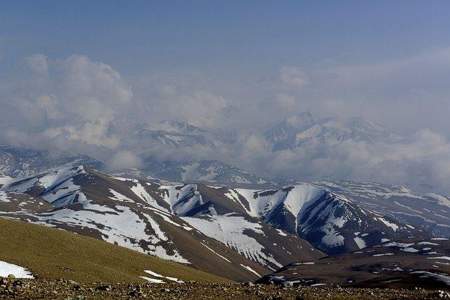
<point>303,129</point>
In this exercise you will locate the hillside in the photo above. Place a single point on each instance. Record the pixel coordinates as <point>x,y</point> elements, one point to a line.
<point>52,254</point>
<point>156,219</point>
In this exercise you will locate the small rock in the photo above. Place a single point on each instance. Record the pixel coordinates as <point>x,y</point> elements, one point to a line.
<point>443,294</point>
<point>104,287</point>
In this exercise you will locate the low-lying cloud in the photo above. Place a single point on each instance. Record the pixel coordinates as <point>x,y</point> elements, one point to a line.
<point>422,161</point>
<point>80,105</point>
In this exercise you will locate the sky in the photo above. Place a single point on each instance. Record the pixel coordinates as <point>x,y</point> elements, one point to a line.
<point>251,36</point>
<point>80,74</point>
<point>234,45</point>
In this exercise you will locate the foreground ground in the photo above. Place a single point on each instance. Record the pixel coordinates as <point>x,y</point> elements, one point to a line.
<point>63,289</point>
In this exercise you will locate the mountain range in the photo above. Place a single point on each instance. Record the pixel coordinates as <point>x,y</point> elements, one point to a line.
<point>304,129</point>
<point>239,233</point>
<point>179,151</point>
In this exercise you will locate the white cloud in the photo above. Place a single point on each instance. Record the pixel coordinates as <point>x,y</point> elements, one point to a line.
<point>75,100</point>
<point>196,106</point>
<point>286,102</point>
<point>294,77</point>
<point>91,133</point>
<point>124,160</point>
<point>423,160</point>
<point>76,103</point>
<point>38,63</point>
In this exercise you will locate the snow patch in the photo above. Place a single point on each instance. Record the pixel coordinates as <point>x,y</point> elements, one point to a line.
<point>383,254</point>
<point>281,232</point>
<point>221,256</point>
<point>393,226</point>
<point>409,250</point>
<point>331,237</point>
<point>428,244</point>
<point>250,270</point>
<point>441,277</point>
<point>230,230</point>
<point>119,225</point>
<point>397,244</point>
<point>119,197</point>
<point>440,199</point>
<point>4,197</point>
<point>360,242</point>
<point>152,280</point>
<point>15,270</point>
<point>4,180</point>
<point>154,274</point>
<point>140,191</point>
<point>440,257</point>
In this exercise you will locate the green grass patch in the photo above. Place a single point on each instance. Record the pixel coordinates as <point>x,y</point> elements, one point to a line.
<point>52,254</point>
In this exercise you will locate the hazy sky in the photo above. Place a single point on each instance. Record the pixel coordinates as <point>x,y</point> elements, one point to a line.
<point>85,72</point>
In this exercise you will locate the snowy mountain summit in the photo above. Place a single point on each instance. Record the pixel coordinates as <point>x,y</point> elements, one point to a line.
<point>305,130</point>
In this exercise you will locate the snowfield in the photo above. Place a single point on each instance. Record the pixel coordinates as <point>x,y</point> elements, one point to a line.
<point>231,230</point>
<point>4,180</point>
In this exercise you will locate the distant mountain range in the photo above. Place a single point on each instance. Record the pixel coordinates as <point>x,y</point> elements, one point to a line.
<point>22,162</point>
<point>175,134</point>
<point>178,151</point>
<point>316,137</point>
<point>303,129</point>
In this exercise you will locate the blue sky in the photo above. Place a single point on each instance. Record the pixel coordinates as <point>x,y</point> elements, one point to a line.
<point>252,36</point>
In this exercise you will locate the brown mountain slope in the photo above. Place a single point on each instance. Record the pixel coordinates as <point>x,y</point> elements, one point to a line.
<point>394,265</point>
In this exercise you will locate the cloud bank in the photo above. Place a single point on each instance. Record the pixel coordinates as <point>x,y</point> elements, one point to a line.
<point>65,103</point>
<point>80,105</point>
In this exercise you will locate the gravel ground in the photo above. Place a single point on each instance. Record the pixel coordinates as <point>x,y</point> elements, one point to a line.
<point>63,289</point>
